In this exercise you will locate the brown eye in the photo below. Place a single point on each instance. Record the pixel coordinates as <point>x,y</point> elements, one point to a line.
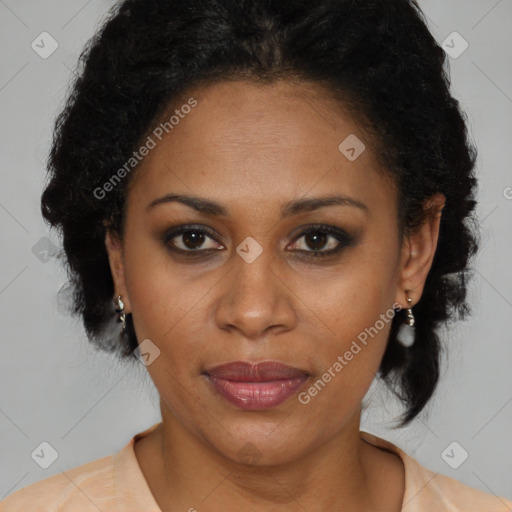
<point>322,241</point>
<point>191,239</point>
<point>316,241</point>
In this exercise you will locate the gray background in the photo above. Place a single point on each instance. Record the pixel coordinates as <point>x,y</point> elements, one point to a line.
<point>56,388</point>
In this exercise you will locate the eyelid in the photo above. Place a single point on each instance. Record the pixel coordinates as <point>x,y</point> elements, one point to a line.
<point>343,238</point>
<point>184,228</point>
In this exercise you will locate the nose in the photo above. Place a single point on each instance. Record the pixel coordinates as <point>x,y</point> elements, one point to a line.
<point>255,299</point>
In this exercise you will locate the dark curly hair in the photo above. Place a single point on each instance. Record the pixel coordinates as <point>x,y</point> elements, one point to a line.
<point>377,57</point>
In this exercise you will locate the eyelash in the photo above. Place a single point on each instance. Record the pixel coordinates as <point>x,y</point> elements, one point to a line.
<point>344,239</point>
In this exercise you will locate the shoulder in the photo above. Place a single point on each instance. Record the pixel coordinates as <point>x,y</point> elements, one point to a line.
<point>442,492</point>
<point>81,489</point>
<point>426,490</point>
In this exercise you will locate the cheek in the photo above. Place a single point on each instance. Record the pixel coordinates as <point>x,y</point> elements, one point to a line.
<point>337,306</point>
<point>169,304</point>
<point>158,300</point>
<point>356,333</point>
<point>349,355</point>
<point>352,296</point>
<point>353,309</point>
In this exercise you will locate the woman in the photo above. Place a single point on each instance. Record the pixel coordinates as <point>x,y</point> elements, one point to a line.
<point>269,200</point>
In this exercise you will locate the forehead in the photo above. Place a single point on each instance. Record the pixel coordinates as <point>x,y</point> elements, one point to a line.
<point>262,143</point>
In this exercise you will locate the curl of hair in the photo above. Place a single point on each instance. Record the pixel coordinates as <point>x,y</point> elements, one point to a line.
<point>376,56</point>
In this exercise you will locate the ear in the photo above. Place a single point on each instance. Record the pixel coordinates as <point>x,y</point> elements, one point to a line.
<point>418,252</point>
<point>115,254</point>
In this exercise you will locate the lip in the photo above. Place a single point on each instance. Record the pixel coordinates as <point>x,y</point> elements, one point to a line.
<point>256,386</point>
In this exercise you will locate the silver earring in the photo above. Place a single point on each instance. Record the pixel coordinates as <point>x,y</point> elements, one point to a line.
<point>121,316</point>
<point>406,331</point>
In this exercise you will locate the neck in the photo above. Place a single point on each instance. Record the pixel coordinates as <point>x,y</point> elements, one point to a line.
<point>334,475</point>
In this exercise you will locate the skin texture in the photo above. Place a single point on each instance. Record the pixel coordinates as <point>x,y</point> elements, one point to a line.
<point>253,148</point>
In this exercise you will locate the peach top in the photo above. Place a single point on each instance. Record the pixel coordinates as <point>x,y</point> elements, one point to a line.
<point>115,483</point>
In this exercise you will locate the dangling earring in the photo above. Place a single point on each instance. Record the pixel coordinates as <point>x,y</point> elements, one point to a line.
<point>121,314</point>
<point>406,332</point>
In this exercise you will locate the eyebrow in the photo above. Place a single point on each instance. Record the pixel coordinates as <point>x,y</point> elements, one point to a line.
<point>209,207</point>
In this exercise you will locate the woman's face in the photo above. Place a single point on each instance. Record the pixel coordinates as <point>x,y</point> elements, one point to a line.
<point>245,283</point>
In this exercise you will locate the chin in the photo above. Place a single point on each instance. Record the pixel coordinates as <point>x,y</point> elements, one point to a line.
<point>259,442</point>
